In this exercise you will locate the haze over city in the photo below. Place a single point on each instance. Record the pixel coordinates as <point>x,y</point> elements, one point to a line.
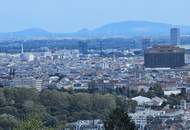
<point>73,15</point>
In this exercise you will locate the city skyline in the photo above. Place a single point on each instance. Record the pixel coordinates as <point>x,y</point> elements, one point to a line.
<point>70,16</point>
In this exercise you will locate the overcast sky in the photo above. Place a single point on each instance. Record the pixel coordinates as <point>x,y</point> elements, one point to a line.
<point>72,15</point>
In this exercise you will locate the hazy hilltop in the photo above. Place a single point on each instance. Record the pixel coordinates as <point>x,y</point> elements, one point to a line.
<point>134,28</point>
<point>126,28</point>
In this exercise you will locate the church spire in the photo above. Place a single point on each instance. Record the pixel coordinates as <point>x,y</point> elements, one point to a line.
<point>22,49</point>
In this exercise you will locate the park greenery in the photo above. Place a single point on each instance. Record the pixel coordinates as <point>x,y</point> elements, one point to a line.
<point>51,109</point>
<point>28,109</point>
<point>119,120</point>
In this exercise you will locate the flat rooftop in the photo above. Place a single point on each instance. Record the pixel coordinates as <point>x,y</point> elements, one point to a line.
<point>165,49</point>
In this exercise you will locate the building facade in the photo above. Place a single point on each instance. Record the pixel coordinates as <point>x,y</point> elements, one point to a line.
<point>146,42</point>
<point>164,56</point>
<point>83,47</point>
<point>175,36</point>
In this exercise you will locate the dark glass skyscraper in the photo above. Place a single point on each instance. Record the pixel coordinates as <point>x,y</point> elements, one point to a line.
<point>175,36</point>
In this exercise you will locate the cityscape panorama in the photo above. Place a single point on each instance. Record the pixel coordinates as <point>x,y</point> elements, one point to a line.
<point>94,65</point>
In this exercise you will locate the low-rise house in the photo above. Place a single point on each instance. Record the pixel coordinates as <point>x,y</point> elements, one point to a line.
<point>85,125</point>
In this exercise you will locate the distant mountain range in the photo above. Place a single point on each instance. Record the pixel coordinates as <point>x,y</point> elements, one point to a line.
<point>126,28</point>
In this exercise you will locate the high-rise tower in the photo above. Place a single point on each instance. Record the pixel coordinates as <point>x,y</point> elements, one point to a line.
<point>83,47</point>
<point>146,42</point>
<point>175,36</point>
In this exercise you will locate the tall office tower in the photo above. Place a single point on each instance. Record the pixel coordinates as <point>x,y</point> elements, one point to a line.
<point>146,42</point>
<point>164,56</point>
<point>175,36</point>
<point>83,47</point>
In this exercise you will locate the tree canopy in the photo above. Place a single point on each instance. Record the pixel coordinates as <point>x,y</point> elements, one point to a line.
<point>55,107</point>
<point>119,120</point>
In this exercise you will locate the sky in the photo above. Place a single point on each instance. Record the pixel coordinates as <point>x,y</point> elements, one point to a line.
<point>73,15</point>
